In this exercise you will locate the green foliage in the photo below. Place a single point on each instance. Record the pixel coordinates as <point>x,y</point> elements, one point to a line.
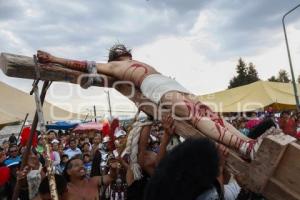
<point>245,74</point>
<point>282,77</point>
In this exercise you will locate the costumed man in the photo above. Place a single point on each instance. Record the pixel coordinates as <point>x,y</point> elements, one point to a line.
<point>165,91</point>
<point>100,164</point>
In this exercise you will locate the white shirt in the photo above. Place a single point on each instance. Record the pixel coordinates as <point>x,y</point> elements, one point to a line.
<point>71,153</point>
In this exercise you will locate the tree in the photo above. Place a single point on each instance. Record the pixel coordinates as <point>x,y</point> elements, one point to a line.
<point>282,77</point>
<point>245,75</point>
<point>273,79</point>
<point>298,79</point>
<point>252,75</point>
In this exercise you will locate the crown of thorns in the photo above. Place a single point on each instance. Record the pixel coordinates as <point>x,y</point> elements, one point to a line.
<point>117,51</point>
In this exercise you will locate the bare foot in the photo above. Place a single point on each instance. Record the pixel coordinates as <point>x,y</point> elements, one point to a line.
<point>44,57</point>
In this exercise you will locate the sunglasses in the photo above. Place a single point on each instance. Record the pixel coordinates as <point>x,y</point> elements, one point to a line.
<point>13,151</point>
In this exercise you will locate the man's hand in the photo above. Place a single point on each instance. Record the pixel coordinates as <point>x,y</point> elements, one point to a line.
<point>22,174</point>
<point>115,164</point>
<point>2,157</point>
<point>44,57</point>
<point>167,123</point>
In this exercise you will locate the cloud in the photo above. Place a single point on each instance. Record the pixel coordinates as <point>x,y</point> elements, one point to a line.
<point>244,28</point>
<point>198,42</point>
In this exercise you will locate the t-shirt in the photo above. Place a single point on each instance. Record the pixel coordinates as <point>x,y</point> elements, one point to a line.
<point>252,122</point>
<point>88,168</point>
<point>12,161</point>
<point>71,153</point>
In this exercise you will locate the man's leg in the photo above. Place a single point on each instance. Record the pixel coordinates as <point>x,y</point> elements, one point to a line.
<point>205,120</point>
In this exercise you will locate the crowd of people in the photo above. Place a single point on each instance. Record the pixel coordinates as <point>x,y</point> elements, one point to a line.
<point>287,121</point>
<point>101,165</point>
<point>89,164</point>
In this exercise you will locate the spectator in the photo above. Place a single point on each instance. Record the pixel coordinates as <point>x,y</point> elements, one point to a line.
<point>80,187</point>
<point>188,171</point>
<point>13,158</point>
<point>40,147</point>
<point>61,167</point>
<point>87,164</point>
<point>86,149</point>
<point>51,135</point>
<point>12,139</point>
<point>96,143</point>
<point>73,150</point>
<point>253,121</point>
<point>54,155</point>
<point>242,127</point>
<point>2,156</point>
<point>5,146</point>
<point>287,124</point>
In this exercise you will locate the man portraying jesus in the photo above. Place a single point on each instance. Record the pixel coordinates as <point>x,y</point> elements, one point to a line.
<point>165,91</point>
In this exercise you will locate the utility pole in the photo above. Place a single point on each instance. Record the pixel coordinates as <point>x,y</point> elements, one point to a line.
<point>289,56</point>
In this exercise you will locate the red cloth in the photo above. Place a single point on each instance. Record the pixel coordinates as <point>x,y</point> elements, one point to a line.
<point>5,175</point>
<point>25,136</point>
<point>252,122</point>
<point>288,126</point>
<point>105,129</point>
<point>113,126</point>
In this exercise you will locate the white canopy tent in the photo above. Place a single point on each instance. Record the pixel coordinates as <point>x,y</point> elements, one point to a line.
<point>14,104</point>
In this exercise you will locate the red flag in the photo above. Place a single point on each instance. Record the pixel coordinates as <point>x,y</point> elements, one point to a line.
<point>25,137</point>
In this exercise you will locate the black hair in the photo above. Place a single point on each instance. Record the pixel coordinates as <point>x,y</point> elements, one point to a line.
<point>65,155</point>
<point>284,112</point>
<point>86,143</point>
<point>61,185</point>
<point>86,154</point>
<point>69,166</point>
<point>95,171</point>
<point>190,169</point>
<point>117,51</point>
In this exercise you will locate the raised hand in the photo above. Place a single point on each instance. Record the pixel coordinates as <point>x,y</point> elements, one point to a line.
<point>21,174</point>
<point>167,123</point>
<point>44,57</point>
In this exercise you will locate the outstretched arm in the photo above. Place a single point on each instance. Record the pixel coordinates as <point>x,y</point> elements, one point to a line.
<point>45,57</point>
<point>104,69</point>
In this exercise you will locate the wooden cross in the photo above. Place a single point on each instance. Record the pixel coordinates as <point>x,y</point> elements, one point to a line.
<point>275,171</point>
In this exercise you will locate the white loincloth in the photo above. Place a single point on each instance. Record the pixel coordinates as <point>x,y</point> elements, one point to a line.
<point>155,86</point>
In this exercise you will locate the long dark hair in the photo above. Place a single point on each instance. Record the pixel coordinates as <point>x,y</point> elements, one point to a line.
<point>69,166</point>
<point>190,169</point>
<point>95,171</point>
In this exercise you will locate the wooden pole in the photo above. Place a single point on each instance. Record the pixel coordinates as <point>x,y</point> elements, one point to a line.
<point>95,114</point>
<point>29,142</point>
<point>109,105</point>
<point>22,126</point>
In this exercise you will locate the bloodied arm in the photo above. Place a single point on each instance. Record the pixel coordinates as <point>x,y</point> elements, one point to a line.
<point>45,57</point>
